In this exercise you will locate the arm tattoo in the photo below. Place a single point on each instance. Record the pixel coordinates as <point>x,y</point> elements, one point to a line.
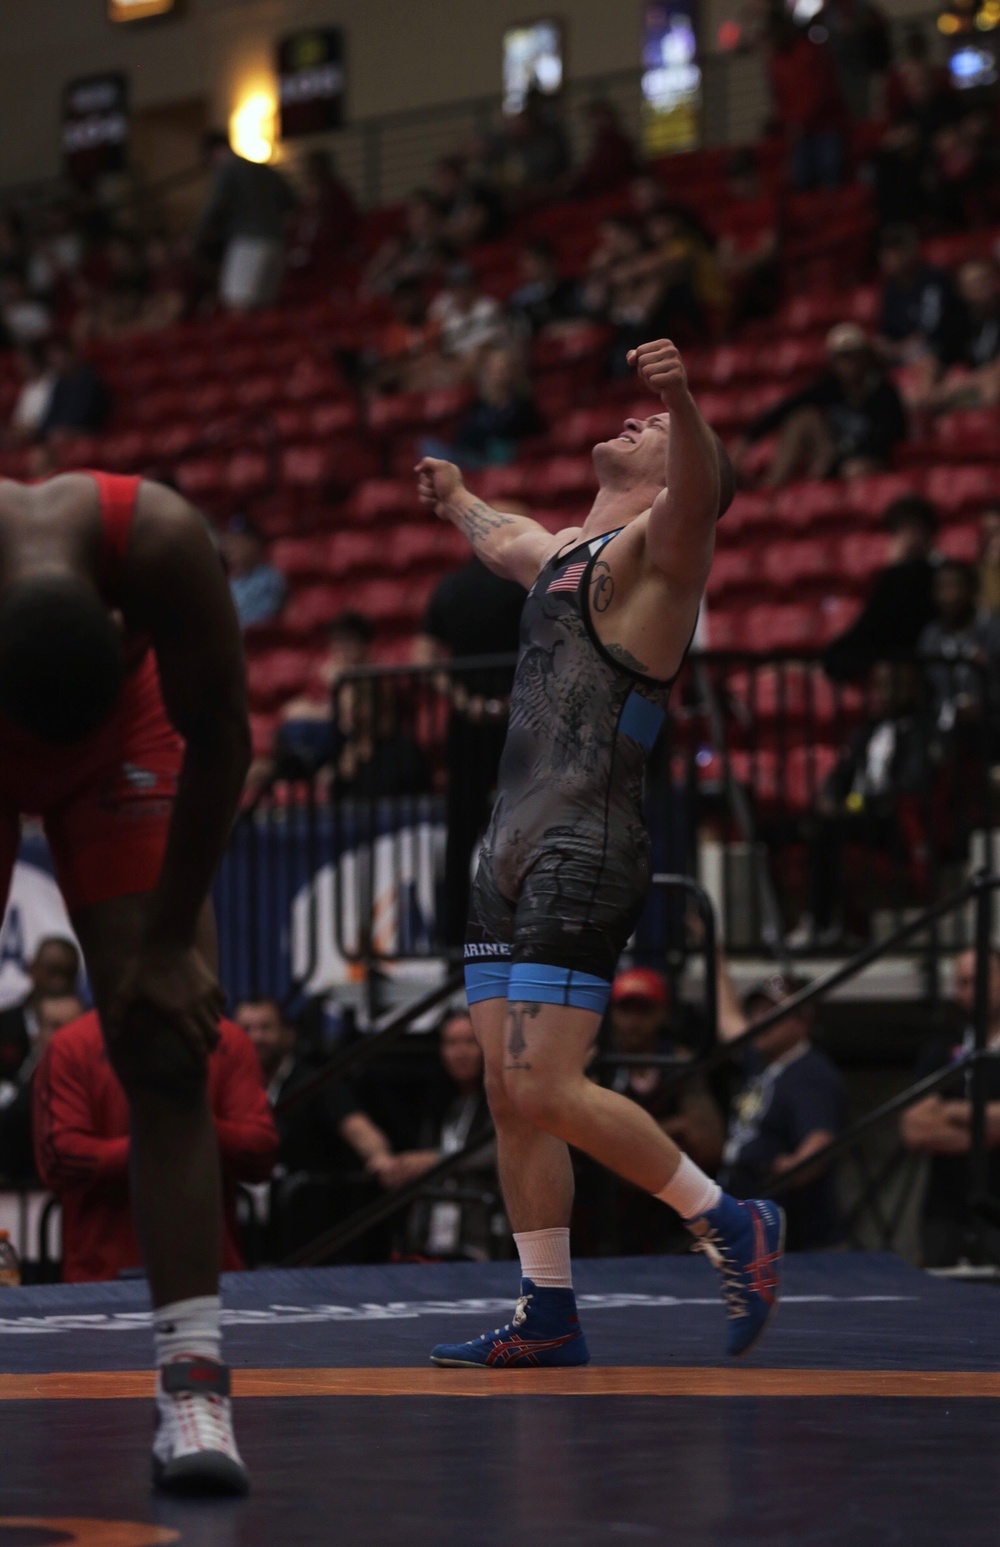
<point>479,520</point>
<point>625,658</point>
<point>517,1042</point>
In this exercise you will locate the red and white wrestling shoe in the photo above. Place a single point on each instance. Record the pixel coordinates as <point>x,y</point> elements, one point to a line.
<point>194,1449</point>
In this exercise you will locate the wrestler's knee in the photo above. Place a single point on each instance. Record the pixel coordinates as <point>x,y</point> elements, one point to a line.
<point>151,1057</point>
<point>542,1097</point>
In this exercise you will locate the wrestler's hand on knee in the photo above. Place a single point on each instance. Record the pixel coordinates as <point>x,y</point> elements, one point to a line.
<point>437,481</point>
<point>661,369</point>
<point>172,984</point>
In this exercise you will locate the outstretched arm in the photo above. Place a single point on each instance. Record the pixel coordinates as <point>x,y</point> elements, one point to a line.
<point>680,536</point>
<point>512,546</point>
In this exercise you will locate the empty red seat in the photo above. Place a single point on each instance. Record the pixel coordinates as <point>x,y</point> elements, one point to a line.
<point>248,472</point>
<point>961,542</point>
<point>564,478</point>
<point>789,565</point>
<point>382,499</point>
<point>786,627</point>
<point>308,467</point>
<point>583,341</point>
<point>955,489</point>
<point>310,609</point>
<point>338,416</point>
<point>516,482</point>
<point>586,426</point>
<point>860,555</point>
<point>969,432</point>
<point>392,600</point>
<point>299,557</point>
<point>810,503</point>
<point>734,570</point>
<point>201,477</point>
<point>259,391</point>
<point>275,676</point>
<point>124,453</point>
<point>868,498</point>
<point>396,411</point>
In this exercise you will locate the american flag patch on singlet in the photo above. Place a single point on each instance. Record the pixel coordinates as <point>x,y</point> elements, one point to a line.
<point>569,579</point>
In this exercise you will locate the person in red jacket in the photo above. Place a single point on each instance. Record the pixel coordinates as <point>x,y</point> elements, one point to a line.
<point>807,103</point>
<point>81,1136</point>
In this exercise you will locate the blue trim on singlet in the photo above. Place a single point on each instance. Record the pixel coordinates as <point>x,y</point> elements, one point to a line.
<point>486,980</point>
<point>641,719</point>
<point>533,983</point>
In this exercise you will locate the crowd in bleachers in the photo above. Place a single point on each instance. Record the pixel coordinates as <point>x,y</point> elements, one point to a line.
<point>836,290</point>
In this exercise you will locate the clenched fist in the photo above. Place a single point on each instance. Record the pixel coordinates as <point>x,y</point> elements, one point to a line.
<point>437,481</point>
<point>660,367</point>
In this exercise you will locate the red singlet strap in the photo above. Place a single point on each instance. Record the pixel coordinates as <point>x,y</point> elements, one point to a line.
<point>117,493</point>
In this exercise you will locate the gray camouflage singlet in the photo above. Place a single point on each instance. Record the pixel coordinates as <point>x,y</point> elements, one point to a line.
<point>565,863</point>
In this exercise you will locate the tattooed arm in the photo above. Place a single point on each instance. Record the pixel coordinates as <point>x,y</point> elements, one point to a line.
<point>512,546</point>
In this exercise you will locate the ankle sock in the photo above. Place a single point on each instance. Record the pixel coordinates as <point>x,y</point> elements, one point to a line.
<point>690,1191</point>
<point>188,1329</point>
<point>544,1257</point>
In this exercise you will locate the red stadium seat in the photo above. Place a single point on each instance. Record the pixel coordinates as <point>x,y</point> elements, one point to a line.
<point>382,499</point>
<point>310,609</point>
<point>810,504</point>
<point>339,416</point>
<point>960,542</point>
<point>867,499</point>
<point>789,566</point>
<point>201,477</point>
<point>956,489</point>
<point>308,467</point>
<point>564,479</point>
<point>788,627</point>
<point>860,555</point>
<point>259,392</point>
<point>586,426</point>
<point>300,558</point>
<point>275,676</point>
<point>248,472</point>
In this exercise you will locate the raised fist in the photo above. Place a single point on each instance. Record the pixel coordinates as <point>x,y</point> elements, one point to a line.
<point>437,481</point>
<point>660,367</point>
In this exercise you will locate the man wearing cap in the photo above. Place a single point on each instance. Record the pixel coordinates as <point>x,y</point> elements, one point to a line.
<point>842,425</point>
<point>643,1019</point>
<point>258,588</point>
<point>793,1102</point>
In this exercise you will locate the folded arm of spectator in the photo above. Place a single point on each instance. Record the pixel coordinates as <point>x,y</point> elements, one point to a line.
<point>935,1126</point>
<point>811,1145</point>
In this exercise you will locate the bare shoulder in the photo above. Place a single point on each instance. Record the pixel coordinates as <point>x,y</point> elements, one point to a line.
<point>529,552</point>
<point>167,525</point>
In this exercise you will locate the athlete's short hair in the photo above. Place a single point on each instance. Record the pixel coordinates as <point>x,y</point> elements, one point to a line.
<point>61,664</point>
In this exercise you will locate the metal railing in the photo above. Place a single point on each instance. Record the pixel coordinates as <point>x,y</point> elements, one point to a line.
<point>358,853</point>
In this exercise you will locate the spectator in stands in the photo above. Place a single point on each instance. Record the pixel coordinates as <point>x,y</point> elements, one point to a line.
<point>747,252</point>
<point>54,973</point>
<point>116,306</point>
<point>82,1145</point>
<point>531,153</point>
<point>373,754</point>
<point>969,363</point>
<point>989,561</point>
<point>643,1020</point>
<point>405,356</point>
<point>467,321</point>
<point>23,317</point>
<point>328,1132</point>
<point>502,414</point>
<point>918,91</point>
<point>877,795</point>
<point>419,252</point>
<point>543,299</point>
<point>258,589</point>
<point>859,38</point>
<point>962,648</point>
<point>611,158</point>
<point>940,1126</point>
<point>643,284</point>
<point>465,1224</point>
<point>842,425</point>
<point>471,612</point>
<point>792,1104</point>
<point>167,284</point>
<point>32,403</point>
<point>920,313</point>
<point>81,401</point>
<point>247,214</point>
<point>901,602</point>
<point>961,170</point>
<point>808,103</point>
<point>325,223</point>
<point>471,206</point>
<point>17,1158</point>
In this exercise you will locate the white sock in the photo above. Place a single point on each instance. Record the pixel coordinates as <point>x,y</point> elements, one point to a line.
<point>188,1329</point>
<point>544,1257</point>
<point>690,1191</point>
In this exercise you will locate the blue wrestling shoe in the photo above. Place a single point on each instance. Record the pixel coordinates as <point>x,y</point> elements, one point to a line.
<point>745,1242</point>
<point>545,1333</point>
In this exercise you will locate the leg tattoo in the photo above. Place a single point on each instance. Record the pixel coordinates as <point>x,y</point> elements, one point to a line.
<point>517,1042</point>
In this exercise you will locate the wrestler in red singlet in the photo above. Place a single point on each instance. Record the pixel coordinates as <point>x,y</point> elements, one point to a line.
<point>123,725</point>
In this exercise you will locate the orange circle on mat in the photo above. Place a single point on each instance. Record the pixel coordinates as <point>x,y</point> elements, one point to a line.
<point>96,1533</point>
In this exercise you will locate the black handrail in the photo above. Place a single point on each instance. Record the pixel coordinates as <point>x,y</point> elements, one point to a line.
<point>367,1046</point>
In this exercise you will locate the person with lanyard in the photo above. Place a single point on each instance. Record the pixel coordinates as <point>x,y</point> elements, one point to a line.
<point>793,1102</point>
<point>940,1126</point>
